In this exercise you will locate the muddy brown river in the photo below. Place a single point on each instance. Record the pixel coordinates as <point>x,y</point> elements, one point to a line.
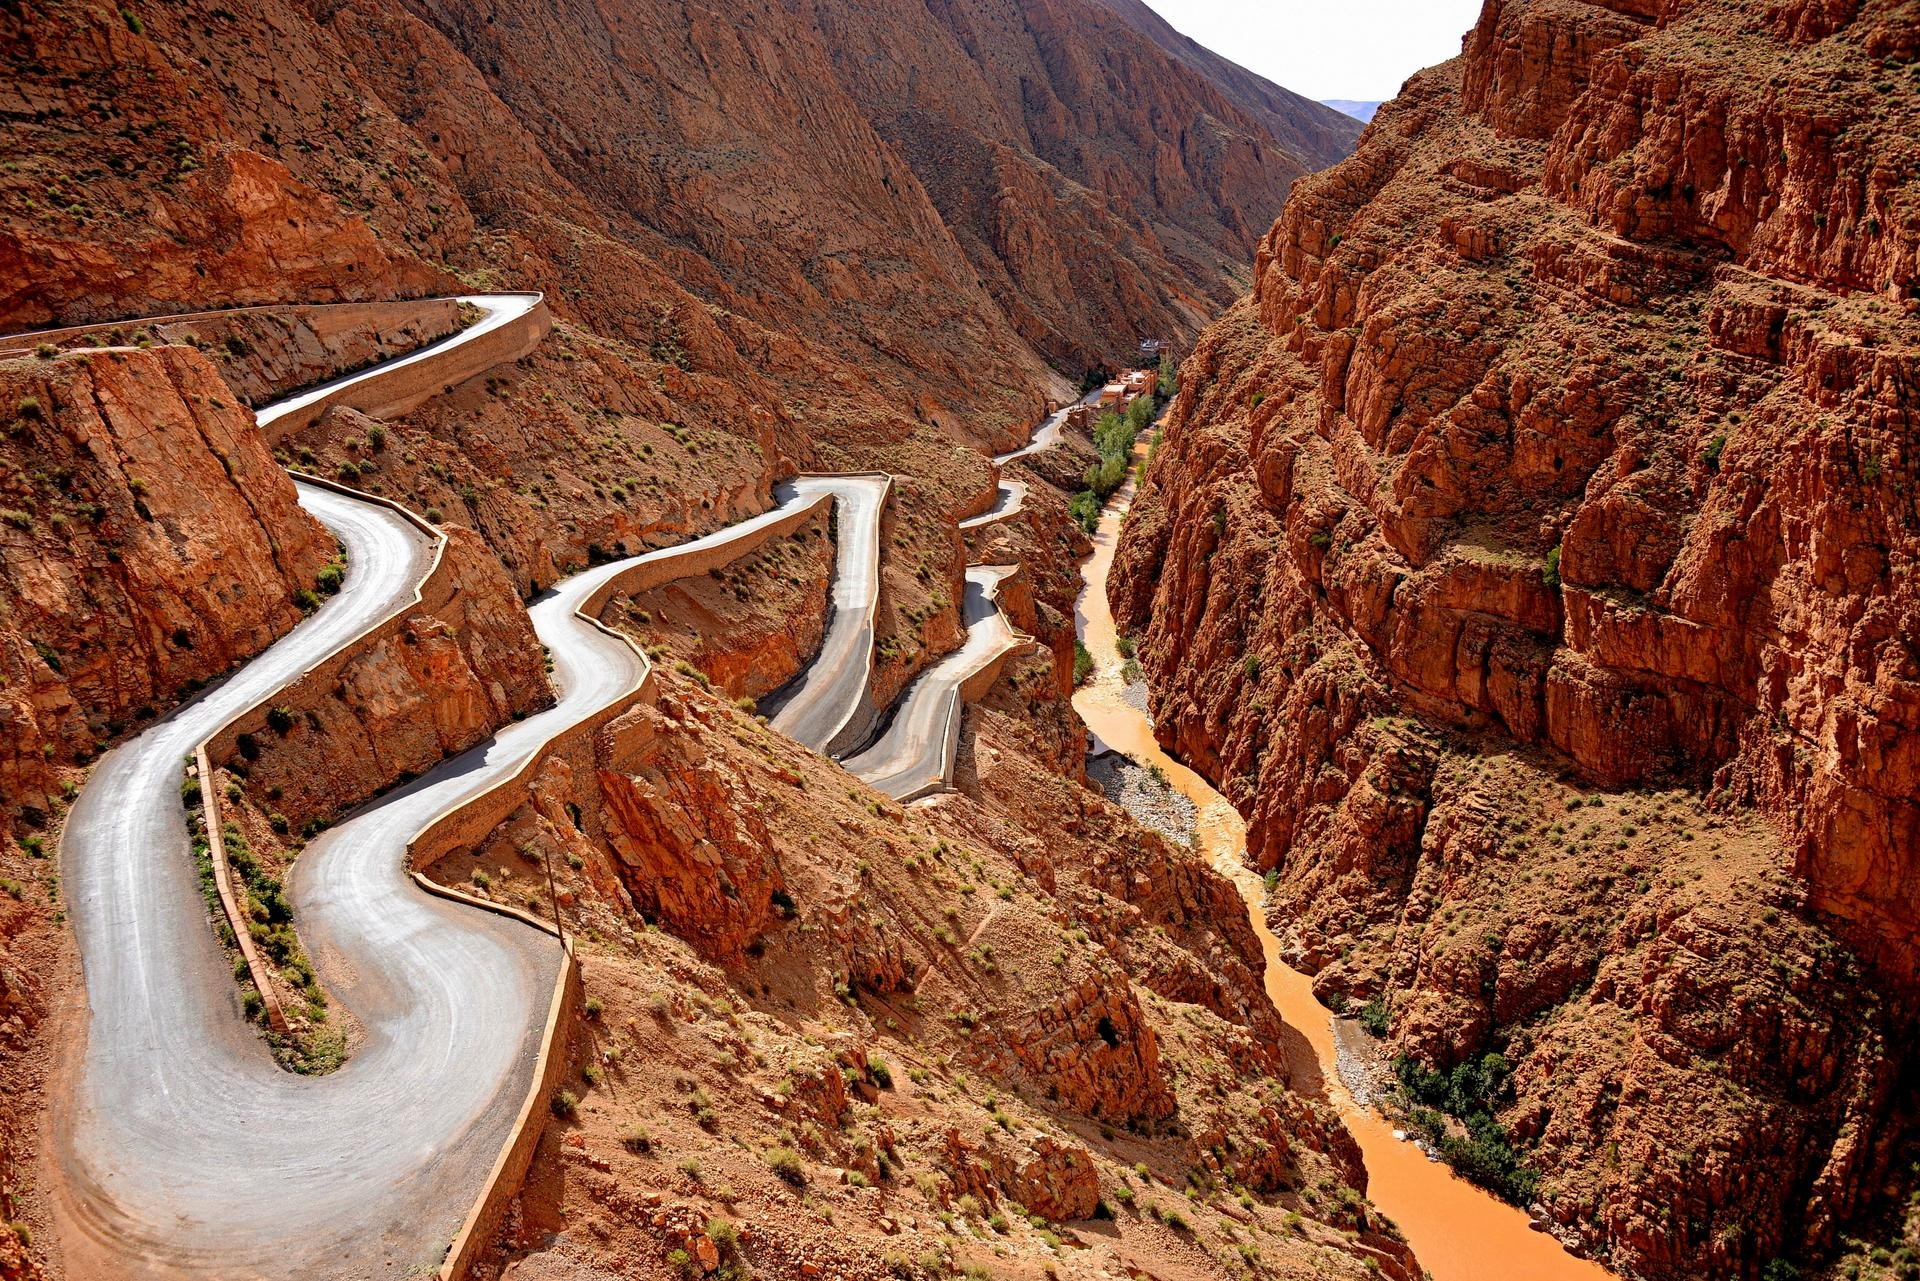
<point>1459,1231</point>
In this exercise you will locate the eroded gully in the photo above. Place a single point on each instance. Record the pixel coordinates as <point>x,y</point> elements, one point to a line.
<point>1458,1231</point>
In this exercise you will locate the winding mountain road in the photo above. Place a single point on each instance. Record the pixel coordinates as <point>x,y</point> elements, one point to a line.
<point>915,751</point>
<point>915,754</point>
<point>185,1150</point>
<point>1045,437</point>
<point>1012,496</point>
<point>829,707</point>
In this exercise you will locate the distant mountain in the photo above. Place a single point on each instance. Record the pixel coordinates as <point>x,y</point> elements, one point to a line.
<point>1296,122</point>
<point>1352,107</point>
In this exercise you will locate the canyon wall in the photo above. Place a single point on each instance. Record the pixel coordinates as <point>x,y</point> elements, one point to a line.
<point>147,543</point>
<point>816,232</point>
<point>1529,558</point>
<point>1104,177</point>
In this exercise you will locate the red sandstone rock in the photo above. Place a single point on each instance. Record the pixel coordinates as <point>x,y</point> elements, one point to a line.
<point>1574,412</point>
<point>149,543</point>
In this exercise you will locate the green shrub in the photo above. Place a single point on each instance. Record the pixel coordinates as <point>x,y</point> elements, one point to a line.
<point>1084,507</point>
<point>1375,1018</point>
<point>1470,1093</point>
<point>565,1104</point>
<point>786,1163</point>
<point>1082,663</point>
<point>1550,572</point>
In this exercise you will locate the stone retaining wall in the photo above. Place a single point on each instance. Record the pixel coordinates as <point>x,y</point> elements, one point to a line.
<point>516,1158</point>
<point>433,591</point>
<point>406,385</point>
<point>229,901</point>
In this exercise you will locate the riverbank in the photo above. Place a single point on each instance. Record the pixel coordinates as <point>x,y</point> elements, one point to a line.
<point>1459,1231</point>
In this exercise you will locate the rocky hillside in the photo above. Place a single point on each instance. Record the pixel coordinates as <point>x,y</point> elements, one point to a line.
<point>1104,175</point>
<point>1529,558</point>
<point>685,179</point>
<point>763,255</point>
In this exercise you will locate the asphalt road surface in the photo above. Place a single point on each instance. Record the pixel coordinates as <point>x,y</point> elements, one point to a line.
<point>828,707</point>
<point>1012,496</point>
<point>185,1150</point>
<point>915,754</point>
<point>1045,438</point>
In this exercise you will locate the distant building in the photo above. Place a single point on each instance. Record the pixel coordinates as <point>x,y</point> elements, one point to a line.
<point>1113,395</point>
<point>1151,349</point>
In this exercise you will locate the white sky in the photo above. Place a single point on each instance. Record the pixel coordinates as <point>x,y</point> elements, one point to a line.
<point>1359,49</point>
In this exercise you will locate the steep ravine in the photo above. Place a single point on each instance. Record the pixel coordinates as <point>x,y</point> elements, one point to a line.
<point>1458,1232</point>
<point>1529,560</point>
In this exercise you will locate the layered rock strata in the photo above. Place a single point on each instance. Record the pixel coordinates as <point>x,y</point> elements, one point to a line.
<point>1528,558</point>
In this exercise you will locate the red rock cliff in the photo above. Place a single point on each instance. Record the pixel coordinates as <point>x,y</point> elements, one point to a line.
<point>1562,452</point>
<point>147,543</point>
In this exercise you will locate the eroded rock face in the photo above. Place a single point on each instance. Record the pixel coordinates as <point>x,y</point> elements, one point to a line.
<point>704,866</point>
<point>149,542</point>
<point>175,209</point>
<point>1081,197</point>
<point>1567,435</point>
<point>449,675</point>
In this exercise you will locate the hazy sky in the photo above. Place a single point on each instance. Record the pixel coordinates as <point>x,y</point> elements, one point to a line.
<point>1327,48</point>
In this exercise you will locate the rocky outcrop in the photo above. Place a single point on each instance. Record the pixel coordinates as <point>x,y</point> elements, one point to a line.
<point>705,868</point>
<point>1055,1180</point>
<point>147,543</point>
<point>170,204</point>
<point>442,678</point>
<point>750,626</point>
<point>1566,432</point>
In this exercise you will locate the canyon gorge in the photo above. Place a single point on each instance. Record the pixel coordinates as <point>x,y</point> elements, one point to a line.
<point>1529,558</point>
<point>589,690</point>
